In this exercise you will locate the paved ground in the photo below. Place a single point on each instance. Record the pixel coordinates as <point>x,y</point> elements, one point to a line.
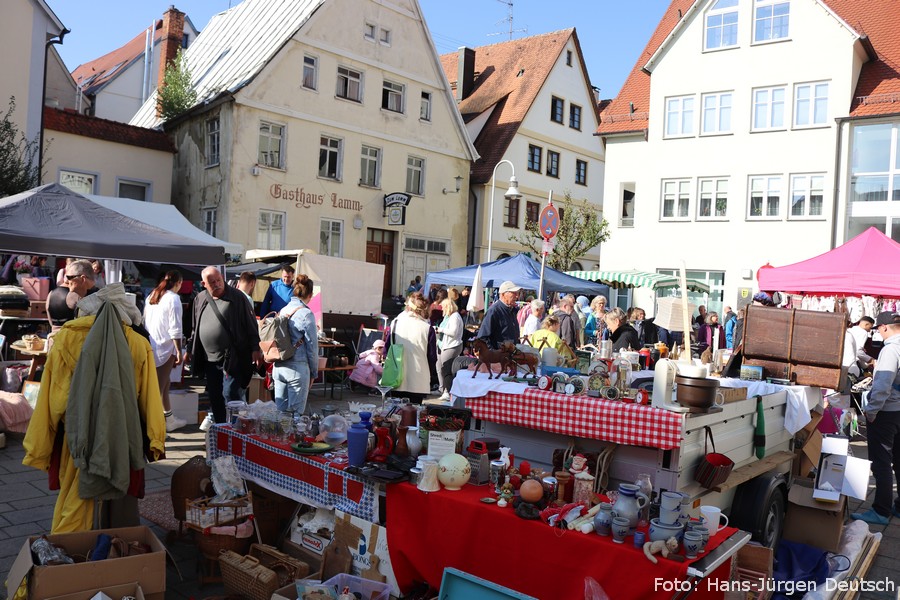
<point>26,508</point>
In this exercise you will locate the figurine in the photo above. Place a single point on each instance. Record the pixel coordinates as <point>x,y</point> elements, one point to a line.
<point>346,595</point>
<point>579,464</point>
<point>659,546</point>
<point>506,493</point>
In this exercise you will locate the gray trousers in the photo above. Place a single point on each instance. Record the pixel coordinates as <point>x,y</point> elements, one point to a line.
<point>445,367</point>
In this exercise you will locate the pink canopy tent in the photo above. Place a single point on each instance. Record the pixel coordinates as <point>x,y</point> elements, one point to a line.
<point>867,264</point>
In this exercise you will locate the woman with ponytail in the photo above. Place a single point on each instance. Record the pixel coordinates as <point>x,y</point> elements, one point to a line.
<point>293,376</point>
<point>162,318</point>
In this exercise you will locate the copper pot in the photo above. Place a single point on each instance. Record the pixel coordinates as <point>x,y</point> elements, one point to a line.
<point>696,392</point>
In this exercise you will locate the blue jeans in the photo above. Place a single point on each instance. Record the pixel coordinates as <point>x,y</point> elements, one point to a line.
<point>221,388</point>
<point>292,383</point>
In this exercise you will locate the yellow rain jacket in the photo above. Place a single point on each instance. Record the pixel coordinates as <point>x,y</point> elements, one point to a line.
<point>73,513</point>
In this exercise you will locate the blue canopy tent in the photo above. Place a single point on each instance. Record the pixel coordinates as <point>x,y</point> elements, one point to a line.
<point>521,270</point>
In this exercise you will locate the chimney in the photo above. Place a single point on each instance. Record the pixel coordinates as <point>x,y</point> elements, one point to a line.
<point>170,40</point>
<point>465,74</point>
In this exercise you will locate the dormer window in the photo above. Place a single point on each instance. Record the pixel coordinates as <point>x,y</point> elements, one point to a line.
<point>770,20</point>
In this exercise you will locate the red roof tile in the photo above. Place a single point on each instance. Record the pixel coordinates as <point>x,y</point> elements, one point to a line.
<point>68,121</point>
<point>102,69</point>
<point>877,90</point>
<point>508,76</point>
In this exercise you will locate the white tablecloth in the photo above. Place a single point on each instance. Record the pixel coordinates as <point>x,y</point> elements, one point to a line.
<point>465,386</point>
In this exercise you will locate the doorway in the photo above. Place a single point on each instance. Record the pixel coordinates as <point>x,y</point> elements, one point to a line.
<point>380,251</point>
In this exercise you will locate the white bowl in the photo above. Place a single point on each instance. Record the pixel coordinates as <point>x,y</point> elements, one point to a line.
<point>687,370</point>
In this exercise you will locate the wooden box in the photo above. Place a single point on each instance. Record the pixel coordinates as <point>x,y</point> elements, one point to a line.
<point>38,309</point>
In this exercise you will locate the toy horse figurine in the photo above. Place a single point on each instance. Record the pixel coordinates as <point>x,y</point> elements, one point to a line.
<point>519,358</point>
<point>488,357</point>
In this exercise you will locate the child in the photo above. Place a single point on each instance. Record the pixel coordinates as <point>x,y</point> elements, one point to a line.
<point>369,366</point>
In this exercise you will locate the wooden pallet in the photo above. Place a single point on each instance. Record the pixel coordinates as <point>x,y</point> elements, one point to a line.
<point>748,472</point>
<point>861,567</point>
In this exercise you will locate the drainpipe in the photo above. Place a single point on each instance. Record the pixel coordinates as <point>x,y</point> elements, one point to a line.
<point>840,121</point>
<point>53,40</point>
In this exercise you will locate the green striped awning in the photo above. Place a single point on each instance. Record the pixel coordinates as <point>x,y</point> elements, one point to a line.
<point>632,279</point>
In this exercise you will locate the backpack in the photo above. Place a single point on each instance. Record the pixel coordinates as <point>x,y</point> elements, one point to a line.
<point>275,337</point>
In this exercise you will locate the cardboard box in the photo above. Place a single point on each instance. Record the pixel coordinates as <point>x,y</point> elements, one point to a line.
<point>309,541</point>
<point>808,445</point>
<point>36,288</point>
<point>184,405</point>
<point>148,570</point>
<point>115,592</point>
<point>808,521</point>
<point>733,394</point>
<point>372,542</point>
<point>38,309</point>
<point>258,389</point>
<point>840,474</point>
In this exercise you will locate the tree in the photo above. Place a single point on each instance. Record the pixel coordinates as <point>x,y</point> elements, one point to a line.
<point>579,231</point>
<point>176,94</point>
<point>19,168</point>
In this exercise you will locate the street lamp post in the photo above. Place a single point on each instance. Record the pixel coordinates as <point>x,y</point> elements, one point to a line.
<point>512,193</point>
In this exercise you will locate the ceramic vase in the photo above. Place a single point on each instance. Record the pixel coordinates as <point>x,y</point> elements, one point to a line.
<point>413,442</point>
<point>400,448</point>
<point>603,519</point>
<point>357,441</point>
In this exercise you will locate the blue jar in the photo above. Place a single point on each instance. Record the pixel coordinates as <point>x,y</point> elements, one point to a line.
<point>357,441</point>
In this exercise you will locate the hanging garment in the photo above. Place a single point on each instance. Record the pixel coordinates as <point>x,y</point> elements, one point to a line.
<point>73,513</point>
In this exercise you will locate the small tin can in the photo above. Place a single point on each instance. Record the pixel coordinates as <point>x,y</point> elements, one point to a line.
<point>498,474</point>
<point>415,475</point>
<point>550,484</point>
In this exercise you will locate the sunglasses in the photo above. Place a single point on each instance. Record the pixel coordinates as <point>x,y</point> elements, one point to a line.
<point>71,277</point>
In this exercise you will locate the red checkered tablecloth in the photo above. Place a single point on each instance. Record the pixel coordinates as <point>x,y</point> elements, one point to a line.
<point>582,416</point>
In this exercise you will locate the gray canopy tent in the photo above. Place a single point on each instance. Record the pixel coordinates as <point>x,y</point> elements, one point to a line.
<point>54,220</point>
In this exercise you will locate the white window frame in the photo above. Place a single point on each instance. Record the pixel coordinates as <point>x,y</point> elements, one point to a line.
<point>384,37</point>
<point>768,185</point>
<point>765,97</point>
<point>759,5</point>
<point>393,96</point>
<point>146,185</point>
<point>553,160</point>
<point>724,13</point>
<point>213,141</point>
<point>679,192</point>
<point>561,103</point>
<point>716,189</point>
<point>718,106</point>
<point>209,219</point>
<point>369,31</point>
<point>679,121</point>
<point>330,146</point>
<point>875,181</point>
<point>808,184</point>
<point>367,159</point>
<point>268,216</point>
<point>425,106</point>
<point>77,181</point>
<point>265,131</point>
<point>415,164</point>
<point>310,65</point>
<point>328,230</point>
<point>349,76</point>
<point>811,104</point>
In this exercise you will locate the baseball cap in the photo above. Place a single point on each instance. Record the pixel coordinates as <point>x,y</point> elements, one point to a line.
<point>887,317</point>
<point>509,286</point>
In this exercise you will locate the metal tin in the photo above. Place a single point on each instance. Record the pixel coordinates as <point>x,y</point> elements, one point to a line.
<point>550,485</point>
<point>415,475</point>
<point>498,474</point>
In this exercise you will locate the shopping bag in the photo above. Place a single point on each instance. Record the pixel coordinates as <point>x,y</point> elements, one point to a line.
<point>713,468</point>
<point>392,375</point>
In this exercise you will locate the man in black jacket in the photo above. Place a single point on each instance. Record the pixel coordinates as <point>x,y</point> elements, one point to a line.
<point>224,343</point>
<point>500,324</point>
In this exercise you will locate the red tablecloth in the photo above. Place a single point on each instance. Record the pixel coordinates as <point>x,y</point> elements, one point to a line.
<point>429,532</point>
<point>306,478</point>
<point>582,416</point>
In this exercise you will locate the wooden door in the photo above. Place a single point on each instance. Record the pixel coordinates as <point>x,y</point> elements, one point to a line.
<point>380,251</point>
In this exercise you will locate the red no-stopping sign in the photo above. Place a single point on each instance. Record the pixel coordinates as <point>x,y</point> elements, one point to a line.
<point>549,221</point>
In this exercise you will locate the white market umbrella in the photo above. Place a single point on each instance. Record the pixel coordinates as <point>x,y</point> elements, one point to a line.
<point>476,296</point>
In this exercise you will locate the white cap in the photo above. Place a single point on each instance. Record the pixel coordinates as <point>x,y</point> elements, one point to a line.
<point>509,286</point>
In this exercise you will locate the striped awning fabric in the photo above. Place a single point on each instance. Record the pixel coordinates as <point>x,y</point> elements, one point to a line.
<point>631,279</point>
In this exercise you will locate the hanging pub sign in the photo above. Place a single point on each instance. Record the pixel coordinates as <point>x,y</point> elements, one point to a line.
<point>395,207</point>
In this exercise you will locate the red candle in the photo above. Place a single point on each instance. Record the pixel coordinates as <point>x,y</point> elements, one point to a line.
<point>524,468</point>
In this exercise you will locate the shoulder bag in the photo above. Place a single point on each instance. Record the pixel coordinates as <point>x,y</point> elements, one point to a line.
<point>392,375</point>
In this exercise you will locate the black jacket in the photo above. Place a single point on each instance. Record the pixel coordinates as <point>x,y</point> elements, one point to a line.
<point>625,336</point>
<point>242,329</point>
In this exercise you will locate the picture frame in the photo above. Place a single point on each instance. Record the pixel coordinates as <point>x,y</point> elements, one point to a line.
<point>31,389</point>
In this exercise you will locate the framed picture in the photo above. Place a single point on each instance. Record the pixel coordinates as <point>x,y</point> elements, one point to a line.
<point>30,390</point>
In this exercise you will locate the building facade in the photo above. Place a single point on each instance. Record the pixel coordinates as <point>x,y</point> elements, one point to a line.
<point>530,107</point>
<point>343,140</point>
<point>728,146</point>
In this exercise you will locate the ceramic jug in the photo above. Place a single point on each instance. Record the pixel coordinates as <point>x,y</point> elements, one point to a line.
<point>629,504</point>
<point>603,519</point>
<point>413,441</point>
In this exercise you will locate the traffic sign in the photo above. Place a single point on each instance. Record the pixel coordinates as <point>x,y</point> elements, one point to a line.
<point>549,221</point>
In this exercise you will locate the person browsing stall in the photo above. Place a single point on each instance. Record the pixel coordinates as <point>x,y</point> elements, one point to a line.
<point>861,332</point>
<point>78,283</point>
<point>548,337</point>
<point>224,343</point>
<point>415,334</point>
<point>293,376</point>
<point>450,345</point>
<point>533,322</point>
<point>162,318</point>
<point>569,323</point>
<point>500,324</point>
<point>883,423</point>
<point>622,335</point>
<point>279,293</point>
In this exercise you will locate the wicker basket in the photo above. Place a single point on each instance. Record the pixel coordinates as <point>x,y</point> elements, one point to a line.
<point>212,544</point>
<point>245,576</point>
<point>271,558</point>
<point>203,513</point>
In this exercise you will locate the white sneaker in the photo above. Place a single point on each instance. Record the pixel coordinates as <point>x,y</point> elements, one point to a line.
<point>445,397</point>
<point>173,423</point>
<point>207,423</point>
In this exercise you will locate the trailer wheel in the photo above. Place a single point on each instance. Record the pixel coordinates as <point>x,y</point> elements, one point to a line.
<point>759,507</point>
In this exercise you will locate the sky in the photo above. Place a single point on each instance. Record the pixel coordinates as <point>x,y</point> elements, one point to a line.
<point>612,32</point>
